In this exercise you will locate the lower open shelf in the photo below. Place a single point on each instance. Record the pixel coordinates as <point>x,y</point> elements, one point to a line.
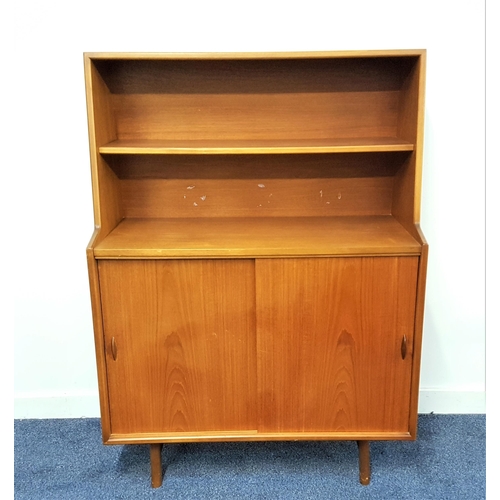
<point>240,237</point>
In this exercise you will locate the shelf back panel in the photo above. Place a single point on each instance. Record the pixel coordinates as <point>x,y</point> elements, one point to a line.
<point>271,166</point>
<point>185,198</point>
<point>255,76</point>
<point>296,116</point>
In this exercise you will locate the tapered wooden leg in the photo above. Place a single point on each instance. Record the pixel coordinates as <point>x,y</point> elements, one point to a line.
<point>364,462</point>
<point>156,467</point>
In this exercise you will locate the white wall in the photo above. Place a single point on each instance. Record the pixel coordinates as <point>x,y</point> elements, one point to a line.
<point>47,192</point>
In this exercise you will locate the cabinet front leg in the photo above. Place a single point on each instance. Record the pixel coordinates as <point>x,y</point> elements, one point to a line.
<point>156,467</point>
<point>364,462</point>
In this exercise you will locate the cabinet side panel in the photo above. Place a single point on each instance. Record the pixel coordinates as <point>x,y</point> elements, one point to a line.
<point>407,185</point>
<point>95,296</point>
<point>180,342</point>
<point>102,129</point>
<point>329,343</point>
<point>110,196</point>
<point>417,349</point>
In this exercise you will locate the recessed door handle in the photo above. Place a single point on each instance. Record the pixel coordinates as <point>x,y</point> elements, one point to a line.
<point>403,347</point>
<point>113,348</point>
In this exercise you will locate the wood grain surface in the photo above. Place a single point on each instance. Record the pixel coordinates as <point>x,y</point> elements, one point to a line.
<point>199,198</point>
<point>185,345</point>
<point>256,237</point>
<point>329,333</point>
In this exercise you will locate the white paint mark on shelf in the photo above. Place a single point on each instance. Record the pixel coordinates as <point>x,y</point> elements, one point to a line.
<point>339,196</point>
<point>191,187</point>
<point>185,196</point>
<point>203,198</point>
<point>321,193</point>
<point>328,203</point>
<point>261,185</point>
<point>195,204</point>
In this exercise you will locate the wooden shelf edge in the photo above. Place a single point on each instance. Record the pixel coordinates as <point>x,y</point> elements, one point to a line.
<point>255,55</point>
<point>128,148</point>
<point>94,239</point>
<point>239,238</point>
<point>183,254</point>
<point>251,435</point>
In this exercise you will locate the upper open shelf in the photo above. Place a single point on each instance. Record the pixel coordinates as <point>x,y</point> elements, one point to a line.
<point>313,104</point>
<point>351,145</point>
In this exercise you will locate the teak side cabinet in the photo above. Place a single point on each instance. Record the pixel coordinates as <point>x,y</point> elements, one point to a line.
<point>257,268</point>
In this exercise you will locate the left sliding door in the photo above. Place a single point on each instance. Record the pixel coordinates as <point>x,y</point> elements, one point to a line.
<point>180,345</point>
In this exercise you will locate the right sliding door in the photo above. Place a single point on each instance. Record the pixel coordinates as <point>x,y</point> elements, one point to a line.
<point>334,343</point>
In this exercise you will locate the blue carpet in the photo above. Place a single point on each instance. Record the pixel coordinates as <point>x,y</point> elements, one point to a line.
<point>65,459</point>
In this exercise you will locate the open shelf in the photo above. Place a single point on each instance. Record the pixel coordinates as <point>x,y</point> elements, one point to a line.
<point>348,145</point>
<point>256,237</point>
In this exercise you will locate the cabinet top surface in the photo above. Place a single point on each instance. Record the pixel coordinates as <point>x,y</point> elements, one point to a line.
<point>257,237</point>
<point>254,55</point>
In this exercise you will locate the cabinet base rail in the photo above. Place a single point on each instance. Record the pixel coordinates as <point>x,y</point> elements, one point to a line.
<point>157,469</point>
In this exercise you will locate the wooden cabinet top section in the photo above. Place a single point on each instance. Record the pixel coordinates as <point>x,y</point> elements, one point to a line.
<point>338,136</point>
